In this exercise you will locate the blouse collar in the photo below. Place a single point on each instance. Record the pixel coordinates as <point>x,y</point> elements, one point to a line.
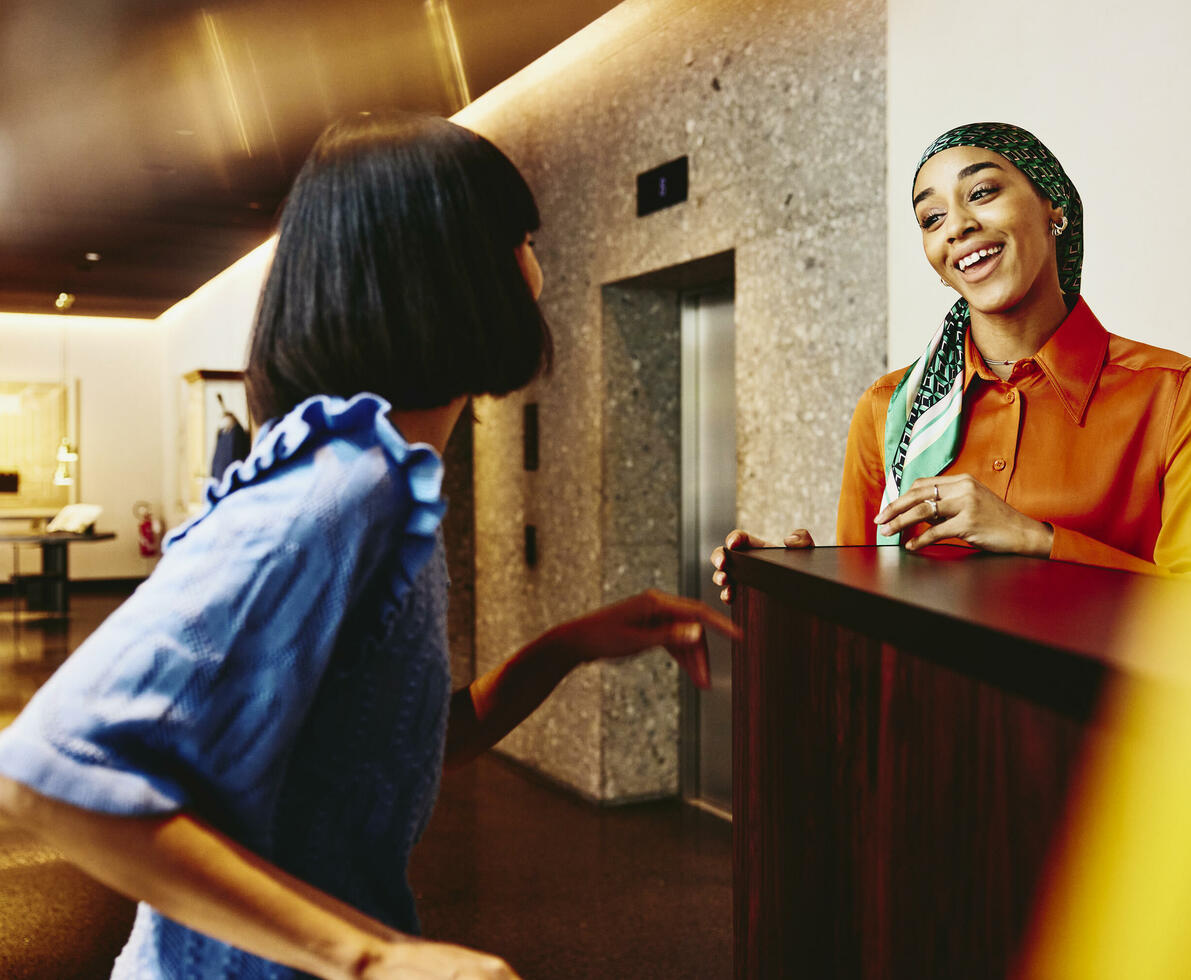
<point>1071,359</point>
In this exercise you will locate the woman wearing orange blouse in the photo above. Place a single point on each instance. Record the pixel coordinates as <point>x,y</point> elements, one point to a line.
<point>1025,427</point>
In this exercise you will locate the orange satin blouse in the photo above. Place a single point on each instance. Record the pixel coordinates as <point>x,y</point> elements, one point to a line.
<point>1091,435</point>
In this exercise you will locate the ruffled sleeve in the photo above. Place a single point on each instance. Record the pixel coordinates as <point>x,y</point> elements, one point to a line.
<point>315,421</point>
<point>191,694</point>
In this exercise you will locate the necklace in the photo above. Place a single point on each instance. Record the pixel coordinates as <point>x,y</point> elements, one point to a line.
<point>989,361</point>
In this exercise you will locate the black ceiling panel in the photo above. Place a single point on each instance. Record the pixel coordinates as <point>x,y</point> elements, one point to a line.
<point>162,135</point>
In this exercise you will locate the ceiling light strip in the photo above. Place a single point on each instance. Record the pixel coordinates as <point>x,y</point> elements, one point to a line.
<point>447,52</point>
<point>226,75</point>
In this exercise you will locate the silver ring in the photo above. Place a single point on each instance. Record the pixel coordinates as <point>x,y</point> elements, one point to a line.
<point>936,493</point>
<point>936,516</point>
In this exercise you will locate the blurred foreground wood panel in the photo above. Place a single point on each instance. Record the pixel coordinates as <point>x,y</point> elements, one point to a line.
<point>906,730</point>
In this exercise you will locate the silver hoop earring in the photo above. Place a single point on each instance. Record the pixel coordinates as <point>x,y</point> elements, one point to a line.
<point>1058,227</point>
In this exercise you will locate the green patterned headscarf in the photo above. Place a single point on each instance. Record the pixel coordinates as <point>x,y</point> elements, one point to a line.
<point>923,426</point>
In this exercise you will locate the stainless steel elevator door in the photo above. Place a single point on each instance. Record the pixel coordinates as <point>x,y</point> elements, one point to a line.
<point>708,512</point>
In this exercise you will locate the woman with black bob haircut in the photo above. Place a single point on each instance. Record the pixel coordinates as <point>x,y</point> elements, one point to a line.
<point>251,744</point>
<point>418,309</point>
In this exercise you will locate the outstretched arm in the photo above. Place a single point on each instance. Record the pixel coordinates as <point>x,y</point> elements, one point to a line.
<point>482,714</point>
<point>191,873</point>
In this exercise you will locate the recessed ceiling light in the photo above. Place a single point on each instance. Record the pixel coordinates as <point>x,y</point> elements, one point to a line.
<point>64,301</point>
<point>93,256</point>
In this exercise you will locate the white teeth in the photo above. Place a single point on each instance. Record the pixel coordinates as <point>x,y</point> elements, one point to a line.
<point>970,260</point>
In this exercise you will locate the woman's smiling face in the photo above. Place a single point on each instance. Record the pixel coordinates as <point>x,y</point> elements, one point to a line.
<point>986,229</point>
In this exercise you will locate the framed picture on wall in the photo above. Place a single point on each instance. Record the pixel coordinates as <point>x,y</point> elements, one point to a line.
<point>208,398</point>
<point>40,462</point>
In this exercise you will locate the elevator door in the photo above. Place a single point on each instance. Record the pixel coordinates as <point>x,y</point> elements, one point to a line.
<point>708,513</point>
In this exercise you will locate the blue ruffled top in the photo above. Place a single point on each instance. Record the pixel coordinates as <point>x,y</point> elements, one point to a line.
<point>283,675</point>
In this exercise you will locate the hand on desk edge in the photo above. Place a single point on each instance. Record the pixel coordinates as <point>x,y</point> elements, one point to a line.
<point>738,540</point>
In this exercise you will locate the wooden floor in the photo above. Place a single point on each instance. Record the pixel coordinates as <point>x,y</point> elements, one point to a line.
<point>560,888</point>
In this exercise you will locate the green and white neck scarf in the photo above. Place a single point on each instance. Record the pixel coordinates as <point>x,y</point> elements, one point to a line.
<point>924,423</point>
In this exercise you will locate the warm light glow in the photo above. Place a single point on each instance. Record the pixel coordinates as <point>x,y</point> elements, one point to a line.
<point>607,34</point>
<point>447,52</point>
<point>64,301</point>
<point>224,73</point>
<point>254,266</point>
<point>1116,904</point>
<point>63,477</point>
<point>47,321</point>
<point>612,32</point>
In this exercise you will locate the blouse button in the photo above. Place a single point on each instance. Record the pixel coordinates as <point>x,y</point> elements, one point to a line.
<point>1011,396</point>
<point>998,464</point>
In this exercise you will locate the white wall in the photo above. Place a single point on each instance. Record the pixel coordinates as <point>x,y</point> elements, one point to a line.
<point>1103,84</point>
<point>130,380</point>
<point>117,364</point>
<point>206,331</point>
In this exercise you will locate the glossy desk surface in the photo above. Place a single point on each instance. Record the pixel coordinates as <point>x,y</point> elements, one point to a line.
<point>1028,623</point>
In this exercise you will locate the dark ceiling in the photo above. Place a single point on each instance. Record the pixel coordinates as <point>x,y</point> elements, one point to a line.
<point>161,135</point>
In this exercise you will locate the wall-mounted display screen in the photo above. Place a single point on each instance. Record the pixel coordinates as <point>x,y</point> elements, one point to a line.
<point>662,186</point>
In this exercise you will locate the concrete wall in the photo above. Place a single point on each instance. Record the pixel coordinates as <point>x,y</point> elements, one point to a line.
<point>780,107</point>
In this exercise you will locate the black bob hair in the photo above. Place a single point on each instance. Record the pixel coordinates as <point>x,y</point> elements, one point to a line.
<point>395,272</point>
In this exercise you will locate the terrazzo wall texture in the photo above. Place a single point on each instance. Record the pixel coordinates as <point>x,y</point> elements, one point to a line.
<point>640,420</point>
<point>639,529</point>
<point>780,107</point>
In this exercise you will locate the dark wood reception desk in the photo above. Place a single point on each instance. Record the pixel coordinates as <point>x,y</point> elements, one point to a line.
<point>906,730</point>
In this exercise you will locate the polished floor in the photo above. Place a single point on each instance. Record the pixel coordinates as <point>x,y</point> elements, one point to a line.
<point>562,889</point>
<point>55,922</point>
